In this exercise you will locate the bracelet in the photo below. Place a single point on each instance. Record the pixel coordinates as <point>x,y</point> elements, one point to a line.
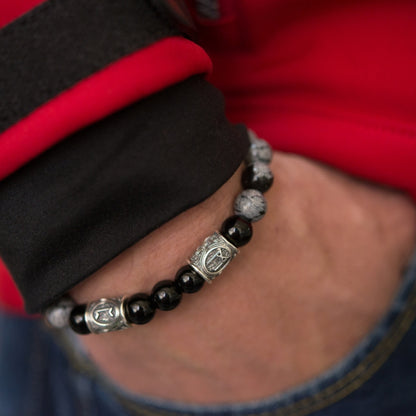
<point>208,261</point>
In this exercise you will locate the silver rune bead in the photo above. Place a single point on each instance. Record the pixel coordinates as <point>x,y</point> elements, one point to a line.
<point>250,205</point>
<point>259,150</point>
<point>57,315</point>
<point>105,315</point>
<point>212,257</point>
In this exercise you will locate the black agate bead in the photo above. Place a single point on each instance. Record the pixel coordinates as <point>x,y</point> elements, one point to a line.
<point>257,176</point>
<point>188,280</point>
<point>139,309</point>
<point>237,231</point>
<point>166,295</point>
<point>77,320</point>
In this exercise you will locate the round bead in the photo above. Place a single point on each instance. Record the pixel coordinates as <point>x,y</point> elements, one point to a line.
<point>77,320</point>
<point>259,150</point>
<point>166,295</point>
<point>250,205</point>
<point>138,309</point>
<point>237,231</point>
<point>57,315</point>
<point>188,280</point>
<point>257,176</point>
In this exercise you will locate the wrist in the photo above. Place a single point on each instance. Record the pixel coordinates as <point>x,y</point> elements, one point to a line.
<point>321,269</point>
<point>160,254</point>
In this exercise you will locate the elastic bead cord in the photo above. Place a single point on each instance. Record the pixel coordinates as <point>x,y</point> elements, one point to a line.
<point>207,262</point>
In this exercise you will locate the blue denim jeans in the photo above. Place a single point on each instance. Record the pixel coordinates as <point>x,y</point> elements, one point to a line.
<point>45,374</point>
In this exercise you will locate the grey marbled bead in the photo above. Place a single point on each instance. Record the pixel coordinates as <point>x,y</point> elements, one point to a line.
<point>250,205</point>
<point>257,176</point>
<point>259,150</point>
<point>262,169</point>
<point>57,315</point>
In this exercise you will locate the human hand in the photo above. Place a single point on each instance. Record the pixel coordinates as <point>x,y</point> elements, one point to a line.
<point>320,271</point>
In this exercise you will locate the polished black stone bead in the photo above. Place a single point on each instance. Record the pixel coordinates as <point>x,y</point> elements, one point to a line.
<point>237,231</point>
<point>77,320</point>
<point>188,280</point>
<point>257,176</point>
<point>139,309</point>
<point>166,295</point>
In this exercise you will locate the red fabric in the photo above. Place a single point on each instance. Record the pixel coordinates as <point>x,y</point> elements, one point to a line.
<point>116,86</point>
<point>12,9</point>
<point>334,81</point>
<point>130,79</point>
<point>10,298</point>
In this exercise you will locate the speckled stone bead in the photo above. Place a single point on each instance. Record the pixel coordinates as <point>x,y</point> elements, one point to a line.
<point>257,176</point>
<point>77,320</point>
<point>166,295</point>
<point>237,231</point>
<point>259,150</point>
<point>188,280</point>
<point>250,205</point>
<point>57,315</point>
<point>139,309</point>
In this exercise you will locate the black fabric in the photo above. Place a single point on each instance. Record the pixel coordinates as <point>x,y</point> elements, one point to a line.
<point>71,210</point>
<point>63,41</point>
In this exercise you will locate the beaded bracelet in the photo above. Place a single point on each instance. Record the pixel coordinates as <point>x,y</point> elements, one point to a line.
<point>208,261</point>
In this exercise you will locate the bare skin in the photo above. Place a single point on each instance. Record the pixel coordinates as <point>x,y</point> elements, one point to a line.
<point>320,271</point>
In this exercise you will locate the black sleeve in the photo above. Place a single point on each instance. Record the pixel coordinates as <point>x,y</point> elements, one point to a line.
<point>78,205</point>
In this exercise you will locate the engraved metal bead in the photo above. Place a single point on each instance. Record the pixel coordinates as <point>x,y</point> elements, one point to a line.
<point>213,256</point>
<point>57,315</point>
<point>250,205</point>
<point>105,315</point>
